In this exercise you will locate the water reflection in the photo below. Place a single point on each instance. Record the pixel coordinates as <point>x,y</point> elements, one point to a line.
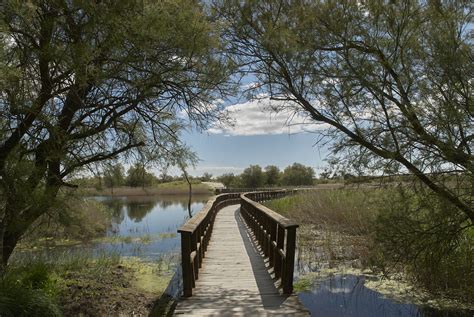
<point>345,295</point>
<point>155,217</point>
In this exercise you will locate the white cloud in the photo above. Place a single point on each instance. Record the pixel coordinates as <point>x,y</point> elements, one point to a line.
<point>201,169</point>
<point>216,170</point>
<point>264,116</point>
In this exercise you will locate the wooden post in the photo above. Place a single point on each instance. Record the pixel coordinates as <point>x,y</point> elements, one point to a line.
<point>273,234</point>
<point>266,243</point>
<point>196,258</point>
<point>280,245</point>
<point>186,263</point>
<point>287,279</point>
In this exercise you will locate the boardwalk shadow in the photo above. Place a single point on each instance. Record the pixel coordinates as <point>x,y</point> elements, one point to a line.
<point>265,282</point>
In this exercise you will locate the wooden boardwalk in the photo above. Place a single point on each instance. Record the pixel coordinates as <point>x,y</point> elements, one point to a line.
<point>234,279</point>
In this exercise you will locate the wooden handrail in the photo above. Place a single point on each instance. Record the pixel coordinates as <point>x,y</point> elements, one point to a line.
<point>260,189</point>
<point>275,234</point>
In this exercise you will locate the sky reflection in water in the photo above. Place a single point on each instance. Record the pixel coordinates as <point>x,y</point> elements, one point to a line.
<point>346,295</point>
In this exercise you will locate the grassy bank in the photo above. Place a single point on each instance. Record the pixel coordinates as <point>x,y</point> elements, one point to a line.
<point>50,243</point>
<point>73,221</point>
<point>82,285</point>
<point>399,235</point>
<point>170,188</point>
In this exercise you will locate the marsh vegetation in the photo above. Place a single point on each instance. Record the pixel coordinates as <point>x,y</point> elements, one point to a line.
<point>86,284</point>
<point>107,255</point>
<point>393,239</point>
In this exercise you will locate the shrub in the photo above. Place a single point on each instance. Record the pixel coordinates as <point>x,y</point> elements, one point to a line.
<point>403,229</point>
<point>433,243</point>
<point>29,291</point>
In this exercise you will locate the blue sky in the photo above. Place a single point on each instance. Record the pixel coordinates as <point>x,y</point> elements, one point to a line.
<point>221,153</point>
<point>257,135</point>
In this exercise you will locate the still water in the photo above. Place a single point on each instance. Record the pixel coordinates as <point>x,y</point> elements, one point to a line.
<point>346,295</point>
<point>146,226</point>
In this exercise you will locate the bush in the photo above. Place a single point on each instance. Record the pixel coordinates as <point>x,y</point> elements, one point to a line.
<point>29,291</point>
<point>75,218</point>
<point>433,243</point>
<point>16,300</point>
<point>403,229</point>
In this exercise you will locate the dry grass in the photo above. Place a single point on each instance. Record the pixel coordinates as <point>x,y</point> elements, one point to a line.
<point>336,226</point>
<point>388,230</point>
<point>347,211</point>
<point>171,188</point>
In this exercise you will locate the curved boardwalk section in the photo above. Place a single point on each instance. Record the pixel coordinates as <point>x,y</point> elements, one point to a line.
<point>235,279</point>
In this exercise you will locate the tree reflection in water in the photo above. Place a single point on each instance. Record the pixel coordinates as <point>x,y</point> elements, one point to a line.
<point>129,214</point>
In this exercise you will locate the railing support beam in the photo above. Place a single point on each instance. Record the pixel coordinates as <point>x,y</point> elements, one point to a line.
<point>186,264</point>
<point>289,259</point>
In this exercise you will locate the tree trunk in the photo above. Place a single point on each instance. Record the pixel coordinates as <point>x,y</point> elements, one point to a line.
<point>190,192</point>
<point>18,219</point>
<point>9,243</point>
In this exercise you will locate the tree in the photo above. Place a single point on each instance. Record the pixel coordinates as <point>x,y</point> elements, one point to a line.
<point>113,175</point>
<point>226,179</point>
<point>297,174</point>
<point>237,182</point>
<point>272,175</point>
<point>391,80</point>
<point>86,81</point>
<point>252,177</point>
<point>184,158</point>
<point>165,178</point>
<point>137,176</point>
<point>206,177</point>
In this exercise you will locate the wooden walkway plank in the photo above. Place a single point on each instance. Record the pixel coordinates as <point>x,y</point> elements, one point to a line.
<point>234,279</point>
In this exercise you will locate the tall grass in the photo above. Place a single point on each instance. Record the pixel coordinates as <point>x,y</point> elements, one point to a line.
<point>169,188</point>
<point>32,285</point>
<point>335,226</point>
<point>29,291</point>
<point>349,211</point>
<point>392,230</point>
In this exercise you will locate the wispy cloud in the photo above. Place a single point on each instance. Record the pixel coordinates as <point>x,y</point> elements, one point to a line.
<point>216,170</point>
<point>264,116</point>
<point>199,170</point>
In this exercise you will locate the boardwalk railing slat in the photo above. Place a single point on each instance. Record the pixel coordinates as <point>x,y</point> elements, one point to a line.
<point>275,234</point>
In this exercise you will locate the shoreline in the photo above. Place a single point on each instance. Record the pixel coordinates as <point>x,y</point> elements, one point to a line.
<point>147,191</point>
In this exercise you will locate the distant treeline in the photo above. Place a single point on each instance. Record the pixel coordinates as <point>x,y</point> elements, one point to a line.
<point>256,176</point>
<point>114,175</point>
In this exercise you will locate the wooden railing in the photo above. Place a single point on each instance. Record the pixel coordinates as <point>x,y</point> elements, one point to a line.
<point>275,234</point>
<point>242,190</point>
<point>261,189</point>
<point>195,236</point>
